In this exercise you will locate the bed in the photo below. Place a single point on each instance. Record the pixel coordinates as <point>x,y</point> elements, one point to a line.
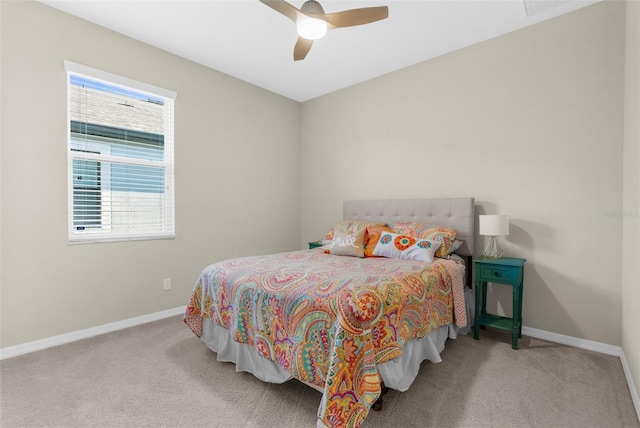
<point>347,326</point>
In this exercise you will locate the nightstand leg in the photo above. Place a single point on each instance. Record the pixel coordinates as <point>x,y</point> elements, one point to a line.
<point>484,298</point>
<point>517,305</point>
<point>521,299</point>
<point>476,322</point>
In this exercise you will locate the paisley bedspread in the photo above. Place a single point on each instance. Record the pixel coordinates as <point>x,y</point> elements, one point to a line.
<point>329,319</point>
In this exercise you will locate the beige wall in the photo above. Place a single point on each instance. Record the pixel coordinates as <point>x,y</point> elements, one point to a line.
<point>530,124</point>
<point>631,197</point>
<point>237,179</point>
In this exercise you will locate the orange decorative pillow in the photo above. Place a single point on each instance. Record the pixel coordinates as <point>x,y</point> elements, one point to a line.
<point>372,238</point>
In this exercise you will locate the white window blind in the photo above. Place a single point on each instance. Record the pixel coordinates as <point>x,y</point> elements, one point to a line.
<point>120,157</point>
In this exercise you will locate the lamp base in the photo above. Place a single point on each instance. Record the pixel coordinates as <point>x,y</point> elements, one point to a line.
<point>491,250</point>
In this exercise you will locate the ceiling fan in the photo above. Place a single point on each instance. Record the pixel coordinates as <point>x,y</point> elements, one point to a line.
<point>313,23</point>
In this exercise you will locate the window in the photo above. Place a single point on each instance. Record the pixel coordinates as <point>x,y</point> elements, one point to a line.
<point>120,158</point>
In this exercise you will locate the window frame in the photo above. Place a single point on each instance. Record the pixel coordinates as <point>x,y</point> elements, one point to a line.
<point>102,234</point>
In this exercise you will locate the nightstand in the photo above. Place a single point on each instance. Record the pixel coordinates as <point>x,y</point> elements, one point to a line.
<point>504,271</point>
<point>315,244</point>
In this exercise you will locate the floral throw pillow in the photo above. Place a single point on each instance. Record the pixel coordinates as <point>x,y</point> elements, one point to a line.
<point>405,247</point>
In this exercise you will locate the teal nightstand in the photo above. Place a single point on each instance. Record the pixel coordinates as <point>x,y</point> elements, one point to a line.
<point>504,271</point>
<point>315,244</point>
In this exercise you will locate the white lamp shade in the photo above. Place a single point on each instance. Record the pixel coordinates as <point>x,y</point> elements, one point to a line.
<point>494,225</point>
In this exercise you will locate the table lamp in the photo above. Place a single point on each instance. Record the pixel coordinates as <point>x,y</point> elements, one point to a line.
<point>492,226</point>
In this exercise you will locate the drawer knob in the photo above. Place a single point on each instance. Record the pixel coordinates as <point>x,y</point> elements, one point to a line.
<point>496,273</point>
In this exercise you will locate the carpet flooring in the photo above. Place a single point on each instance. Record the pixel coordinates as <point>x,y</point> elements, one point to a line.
<point>160,375</point>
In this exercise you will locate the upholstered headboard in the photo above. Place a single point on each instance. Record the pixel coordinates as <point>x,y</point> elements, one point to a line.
<point>456,213</point>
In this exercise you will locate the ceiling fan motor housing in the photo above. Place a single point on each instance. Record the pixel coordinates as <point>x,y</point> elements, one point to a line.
<point>312,6</point>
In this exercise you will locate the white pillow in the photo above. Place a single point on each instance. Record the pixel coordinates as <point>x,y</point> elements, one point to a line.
<point>405,247</point>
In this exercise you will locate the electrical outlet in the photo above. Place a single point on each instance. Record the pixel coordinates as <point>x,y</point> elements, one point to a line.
<point>167,284</point>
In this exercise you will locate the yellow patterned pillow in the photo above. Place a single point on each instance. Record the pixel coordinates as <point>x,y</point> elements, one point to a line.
<point>445,235</point>
<point>410,228</point>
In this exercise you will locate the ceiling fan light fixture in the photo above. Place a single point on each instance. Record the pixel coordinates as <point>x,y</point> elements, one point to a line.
<point>311,28</point>
<point>312,23</point>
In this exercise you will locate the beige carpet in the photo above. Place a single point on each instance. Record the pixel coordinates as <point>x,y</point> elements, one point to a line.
<point>160,375</point>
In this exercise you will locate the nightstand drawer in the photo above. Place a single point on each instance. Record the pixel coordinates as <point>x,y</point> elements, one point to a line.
<point>495,273</point>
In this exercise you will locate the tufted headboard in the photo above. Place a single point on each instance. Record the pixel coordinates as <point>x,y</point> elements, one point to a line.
<point>456,213</point>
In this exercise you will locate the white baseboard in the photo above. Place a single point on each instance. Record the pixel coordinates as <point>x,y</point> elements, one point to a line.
<point>632,386</point>
<point>589,345</point>
<point>602,348</point>
<point>50,342</point>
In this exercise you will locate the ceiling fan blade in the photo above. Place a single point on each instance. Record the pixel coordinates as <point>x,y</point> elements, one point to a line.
<point>349,18</point>
<point>302,48</point>
<point>284,8</point>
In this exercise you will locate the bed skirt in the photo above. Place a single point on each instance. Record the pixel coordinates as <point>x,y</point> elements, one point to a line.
<point>396,374</point>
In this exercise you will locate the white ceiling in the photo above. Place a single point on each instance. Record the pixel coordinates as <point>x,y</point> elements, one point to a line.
<point>250,41</point>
